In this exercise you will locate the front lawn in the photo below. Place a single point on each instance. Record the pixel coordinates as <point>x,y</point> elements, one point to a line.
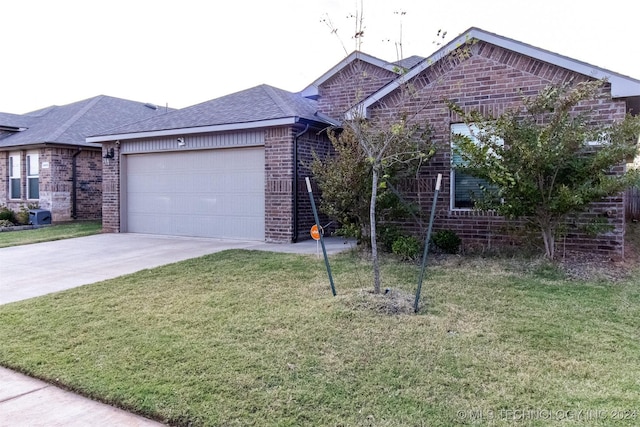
<point>49,233</point>
<point>255,338</point>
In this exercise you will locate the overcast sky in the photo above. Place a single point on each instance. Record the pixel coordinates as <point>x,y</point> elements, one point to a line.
<point>183,52</point>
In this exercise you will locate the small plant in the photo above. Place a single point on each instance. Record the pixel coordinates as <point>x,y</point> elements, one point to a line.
<point>22,217</point>
<point>7,214</point>
<point>349,230</point>
<point>407,247</point>
<point>388,235</point>
<point>447,241</point>
<point>6,223</point>
<point>597,226</point>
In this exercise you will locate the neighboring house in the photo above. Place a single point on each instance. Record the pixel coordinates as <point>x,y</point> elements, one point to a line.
<point>46,161</point>
<point>233,167</point>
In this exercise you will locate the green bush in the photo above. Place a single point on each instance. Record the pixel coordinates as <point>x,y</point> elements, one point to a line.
<point>387,236</point>
<point>22,217</point>
<point>447,241</point>
<point>7,214</point>
<point>407,247</point>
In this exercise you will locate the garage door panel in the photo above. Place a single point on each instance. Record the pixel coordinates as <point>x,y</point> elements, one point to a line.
<point>190,225</point>
<point>212,193</point>
<point>194,203</point>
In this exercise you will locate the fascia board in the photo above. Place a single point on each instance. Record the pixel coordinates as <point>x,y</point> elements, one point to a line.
<point>194,130</point>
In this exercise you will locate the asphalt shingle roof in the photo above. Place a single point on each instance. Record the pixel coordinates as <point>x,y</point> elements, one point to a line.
<point>410,62</point>
<point>70,124</point>
<point>14,120</point>
<point>256,104</point>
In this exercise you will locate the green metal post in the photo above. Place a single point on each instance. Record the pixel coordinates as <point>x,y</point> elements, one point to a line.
<point>426,243</point>
<point>324,251</point>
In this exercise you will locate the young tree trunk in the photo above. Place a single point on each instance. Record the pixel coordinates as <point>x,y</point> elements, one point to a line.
<point>374,242</point>
<point>548,235</point>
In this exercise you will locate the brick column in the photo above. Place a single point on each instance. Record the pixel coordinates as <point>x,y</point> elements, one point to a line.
<point>278,153</point>
<point>111,189</point>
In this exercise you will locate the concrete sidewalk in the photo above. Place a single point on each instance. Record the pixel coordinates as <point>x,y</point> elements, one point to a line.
<point>33,270</point>
<point>25,401</point>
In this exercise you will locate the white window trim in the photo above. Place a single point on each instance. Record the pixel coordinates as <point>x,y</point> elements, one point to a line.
<point>452,173</point>
<point>470,130</point>
<point>30,176</point>
<point>13,159</point>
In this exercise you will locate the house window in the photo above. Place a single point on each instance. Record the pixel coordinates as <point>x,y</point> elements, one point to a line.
<point>14,176</point>
<point>33,176</point>
<point>465,188</point>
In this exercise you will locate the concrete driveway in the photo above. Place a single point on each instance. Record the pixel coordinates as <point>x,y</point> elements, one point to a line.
<point>42,268</point>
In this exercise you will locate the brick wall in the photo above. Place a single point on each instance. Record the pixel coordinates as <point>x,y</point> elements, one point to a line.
<point>278,152</point>
<point>490,80</point>
<point>56,183</point>
<point>111,190</point>
<point>4,177</point>
<point>89,185</point>
<point>313,141</point>
<point>351,85</point>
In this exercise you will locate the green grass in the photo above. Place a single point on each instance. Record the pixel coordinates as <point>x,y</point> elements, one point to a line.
<point>252,338</point>
<point>48,233</point>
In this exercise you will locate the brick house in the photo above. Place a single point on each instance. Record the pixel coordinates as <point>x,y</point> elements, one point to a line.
<point>233,167</point>
<point>45,160</point>
<point>490,75</point>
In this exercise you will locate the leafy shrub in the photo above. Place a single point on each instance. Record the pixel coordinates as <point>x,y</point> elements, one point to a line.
<point>447,241</point>
<point>407,247</point>
<point>7,214</point>
<point>6,223</point>
<point>387,236</point>
<point>597,226</point>
<point>22,217</point>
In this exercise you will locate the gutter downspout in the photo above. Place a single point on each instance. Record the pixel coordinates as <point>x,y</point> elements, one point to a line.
<point>74,184</point>
<point>295,182</point>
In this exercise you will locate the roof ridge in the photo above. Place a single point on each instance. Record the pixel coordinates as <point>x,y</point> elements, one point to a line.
<point>275,97</point>
<point>66,125</point>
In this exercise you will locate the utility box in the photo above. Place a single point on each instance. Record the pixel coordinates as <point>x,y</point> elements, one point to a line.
<point>39,217</point>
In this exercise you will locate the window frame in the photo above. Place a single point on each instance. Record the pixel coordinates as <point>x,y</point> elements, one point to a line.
<point>468,129</point>
<point>30,163</point>
<point>15,166</point>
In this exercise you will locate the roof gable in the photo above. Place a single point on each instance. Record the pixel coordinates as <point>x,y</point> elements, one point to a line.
<point>621,86</point>
<point>311,91</point>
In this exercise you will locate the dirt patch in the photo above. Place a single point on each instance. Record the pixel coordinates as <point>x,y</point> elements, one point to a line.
<point>389,301</point>
<point>591,266</point>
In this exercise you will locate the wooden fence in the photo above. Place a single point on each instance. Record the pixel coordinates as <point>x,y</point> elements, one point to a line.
<point>632,210</point>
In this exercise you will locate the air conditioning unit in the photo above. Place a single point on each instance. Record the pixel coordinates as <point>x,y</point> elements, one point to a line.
<point>39,217</point>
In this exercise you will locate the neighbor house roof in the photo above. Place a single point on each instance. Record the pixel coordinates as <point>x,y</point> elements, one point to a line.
<point>260,106</point>
<point>14,122</point>
<point>70,124</point>
<point>621,86</point>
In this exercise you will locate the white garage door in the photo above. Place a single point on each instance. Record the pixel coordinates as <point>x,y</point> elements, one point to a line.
<point>210,193</point>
